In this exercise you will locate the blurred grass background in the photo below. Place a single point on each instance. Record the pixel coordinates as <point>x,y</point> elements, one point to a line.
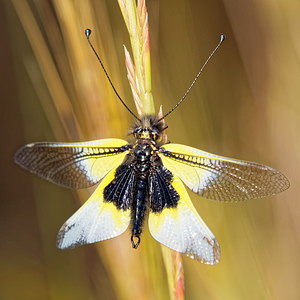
<point>246,105</point>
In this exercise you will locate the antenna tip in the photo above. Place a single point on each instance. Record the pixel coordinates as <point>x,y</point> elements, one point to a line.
<point>88,32</point>
<point>222,37</point>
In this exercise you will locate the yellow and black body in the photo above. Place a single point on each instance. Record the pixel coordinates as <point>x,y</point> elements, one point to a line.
<point>145,178</point>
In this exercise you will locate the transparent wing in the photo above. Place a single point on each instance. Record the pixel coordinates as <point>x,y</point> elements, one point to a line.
<point>183,230</point>
<point>74,165</point>
<point>220,178</point>
<point>95,221</point>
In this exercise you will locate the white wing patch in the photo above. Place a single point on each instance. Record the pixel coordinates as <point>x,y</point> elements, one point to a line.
<point>221,178</point>
<point>183,230</point>
<point>95,221</point>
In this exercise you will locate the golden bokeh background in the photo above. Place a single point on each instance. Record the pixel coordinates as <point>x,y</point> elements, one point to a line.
<point>246,105</point>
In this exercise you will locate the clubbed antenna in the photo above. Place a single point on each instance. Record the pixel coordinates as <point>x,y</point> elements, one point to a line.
<point>88,33</point>
<point>222,38</point>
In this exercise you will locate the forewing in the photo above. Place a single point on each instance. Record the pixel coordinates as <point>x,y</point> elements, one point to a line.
<point>220,178</point>
<point>182,229</point>
<point>95,221</point>
<point>74,165</point>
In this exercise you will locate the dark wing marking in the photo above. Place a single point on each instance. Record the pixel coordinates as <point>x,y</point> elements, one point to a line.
<point>120,189</point>
<point>220,178</point>
<point>161,192</point>
<point>74,165</point>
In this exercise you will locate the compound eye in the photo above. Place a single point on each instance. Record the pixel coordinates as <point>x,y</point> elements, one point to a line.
<point>158,138</point>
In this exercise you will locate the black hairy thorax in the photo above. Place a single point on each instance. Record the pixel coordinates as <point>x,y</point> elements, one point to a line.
<point>141,182</point>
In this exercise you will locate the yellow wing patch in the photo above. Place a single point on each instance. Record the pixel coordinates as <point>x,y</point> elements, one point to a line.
<point>183,230</point>
<point>95,221</point>
<point>75,165</point>
<point>220,178</point>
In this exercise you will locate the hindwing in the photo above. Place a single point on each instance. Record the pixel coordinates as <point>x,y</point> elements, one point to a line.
<point>73,165</point>
<point>95,221</point>
<point>220,178</point>
<point>182,229</point>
